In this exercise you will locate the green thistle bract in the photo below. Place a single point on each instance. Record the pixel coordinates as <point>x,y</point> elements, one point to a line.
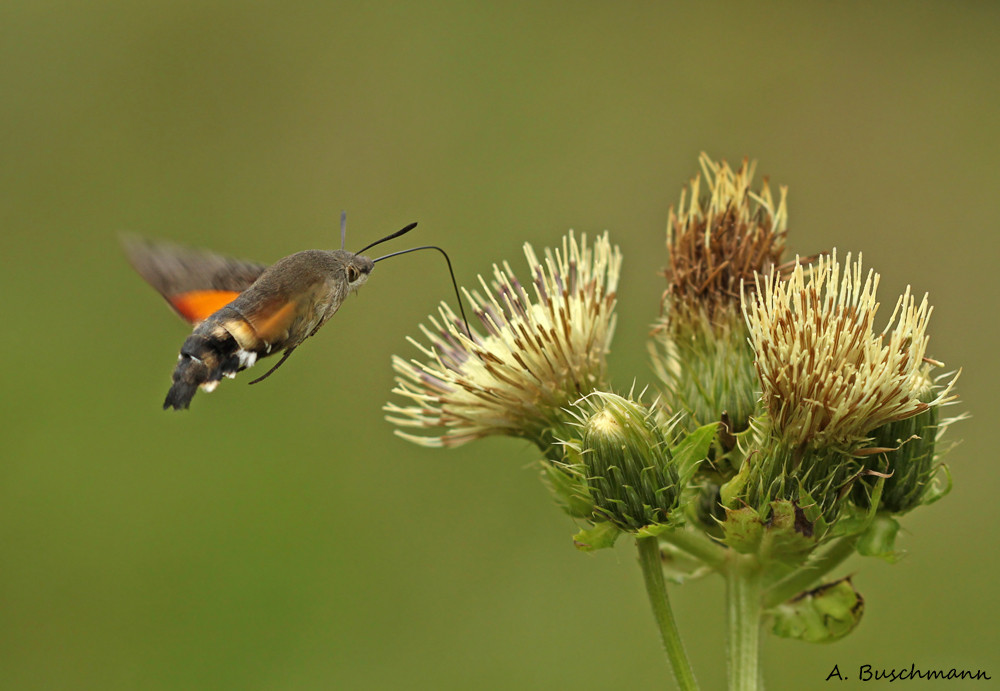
<point>910,455</point>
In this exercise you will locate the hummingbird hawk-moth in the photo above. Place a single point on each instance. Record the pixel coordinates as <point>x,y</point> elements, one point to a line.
<point>244,311</point>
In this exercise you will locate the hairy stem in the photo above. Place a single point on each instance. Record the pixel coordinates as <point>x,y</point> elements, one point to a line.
<point>656,588</point>
<point>743,605</point>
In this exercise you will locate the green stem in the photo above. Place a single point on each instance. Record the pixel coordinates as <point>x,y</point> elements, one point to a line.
<point>800,580</point>
<point>698,545</point>
<point>743,581</point>
<point>656,588</point>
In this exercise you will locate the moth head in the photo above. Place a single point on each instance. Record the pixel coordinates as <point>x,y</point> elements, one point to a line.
<point>356,270</point>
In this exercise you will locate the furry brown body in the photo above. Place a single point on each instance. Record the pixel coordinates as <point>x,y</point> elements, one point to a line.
<point>263,311</point>
<point>288,303</point>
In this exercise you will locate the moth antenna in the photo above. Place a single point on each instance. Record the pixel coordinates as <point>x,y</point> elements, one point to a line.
<point>279,364</point>
<point>401,231</point>
<point>343,228</point>
<point>454,283</point>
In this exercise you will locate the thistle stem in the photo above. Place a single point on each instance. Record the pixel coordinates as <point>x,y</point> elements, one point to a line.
<point>743,605</point>
<point>656,588</point>
<point>800,580</point>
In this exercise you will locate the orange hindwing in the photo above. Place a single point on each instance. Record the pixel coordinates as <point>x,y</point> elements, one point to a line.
<point>197,305</point>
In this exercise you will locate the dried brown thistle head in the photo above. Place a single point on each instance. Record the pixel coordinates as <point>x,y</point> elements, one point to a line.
<point>717,243</point>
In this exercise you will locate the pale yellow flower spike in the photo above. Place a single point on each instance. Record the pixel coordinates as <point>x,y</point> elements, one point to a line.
<point>539,352</point>
<point>828,378</point>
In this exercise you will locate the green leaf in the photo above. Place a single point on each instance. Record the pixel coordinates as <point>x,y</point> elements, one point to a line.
<point>789,535</point>
<point>655,529</point>
<point>601,536</point>
<point>852,520</point>
<point>734,487</point>
<point>855,519</point>
<point>811,512</point>
<point>879,540</point>
<point>693,449</point>
<point>822,615</point>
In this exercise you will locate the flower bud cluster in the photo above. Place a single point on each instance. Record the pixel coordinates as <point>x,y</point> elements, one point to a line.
<point>823,414</point>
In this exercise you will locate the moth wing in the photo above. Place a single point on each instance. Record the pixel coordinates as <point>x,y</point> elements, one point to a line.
<point>273,320</point>
<point>195,306</point>
<point>283,323</point>
<point>195,283</point>
<point>286,316</point>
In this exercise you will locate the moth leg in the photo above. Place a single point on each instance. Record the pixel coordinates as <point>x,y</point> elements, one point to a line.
<point>280,362</point>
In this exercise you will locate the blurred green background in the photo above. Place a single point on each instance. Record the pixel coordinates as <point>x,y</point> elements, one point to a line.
<point>280,537</point>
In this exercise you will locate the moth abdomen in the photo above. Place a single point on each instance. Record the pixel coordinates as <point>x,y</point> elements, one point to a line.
<point>207,355</point>
<point>189,374</point>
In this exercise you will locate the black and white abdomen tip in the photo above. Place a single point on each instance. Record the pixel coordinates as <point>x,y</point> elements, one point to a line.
<point>206,357</point>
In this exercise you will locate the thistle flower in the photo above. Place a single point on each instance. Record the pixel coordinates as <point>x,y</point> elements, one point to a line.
<point>787,423</point>
<point>828,378</point>
<point>716,244</point>
<point>538,355</point>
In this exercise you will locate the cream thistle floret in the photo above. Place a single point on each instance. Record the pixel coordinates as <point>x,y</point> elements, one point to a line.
<point>828,377</point>
<point>538,355</point>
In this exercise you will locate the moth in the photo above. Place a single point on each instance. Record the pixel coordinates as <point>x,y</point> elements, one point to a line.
<point>244,311</point>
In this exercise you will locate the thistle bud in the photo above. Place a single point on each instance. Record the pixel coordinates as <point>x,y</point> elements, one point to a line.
<point>629,469</point>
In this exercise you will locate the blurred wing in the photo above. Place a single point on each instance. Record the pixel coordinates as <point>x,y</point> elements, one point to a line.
<point>273,320</point>
<point>195,283</point>
<point>283,317</point>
